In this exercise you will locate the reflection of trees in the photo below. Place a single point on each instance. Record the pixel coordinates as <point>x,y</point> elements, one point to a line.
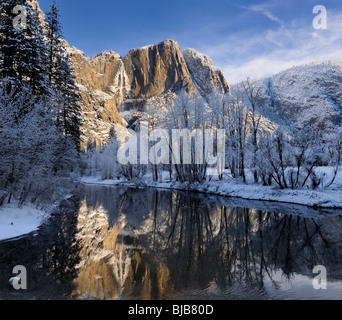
<point>49,256</point>
<point>153,244</point>
<point>185,241</point>
<point>61,253</point>
<point>205,243</point>
<point>121,265</point>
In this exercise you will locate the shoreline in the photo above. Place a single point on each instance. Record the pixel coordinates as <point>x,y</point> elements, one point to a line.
<point>28,219</point>
<point>330,199</point>
<point>17,222</point>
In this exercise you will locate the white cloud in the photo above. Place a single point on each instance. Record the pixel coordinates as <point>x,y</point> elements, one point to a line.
<point>257,55</point>
<point>265,9</point>
<point>262,8</point>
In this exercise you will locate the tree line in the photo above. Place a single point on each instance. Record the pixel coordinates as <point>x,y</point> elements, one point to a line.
<point>255,151</point>
<point>39,112</point>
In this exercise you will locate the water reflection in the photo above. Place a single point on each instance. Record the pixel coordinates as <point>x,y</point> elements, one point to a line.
<point>153,244</point>
<point>49,255</point>
<point>126,243</point>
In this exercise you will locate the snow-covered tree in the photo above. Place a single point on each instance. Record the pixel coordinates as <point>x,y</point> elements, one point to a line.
<point>109,167</point>
<point>62,78</point>
<point>333,146</point>
<point>218,104</point>
<point>35,154</point>
<point>278,154</point>
<point>289,160</point>
<point>237,137</point>
<point>189,113</point>
<point>31,150</point>
<point>23,51</point>
<point>251,92</point>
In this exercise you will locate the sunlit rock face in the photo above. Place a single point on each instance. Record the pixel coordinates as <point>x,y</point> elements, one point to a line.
<point>111,75</point>
<point>144,76</point>
<point>154,69</point>
<point>101,84</point>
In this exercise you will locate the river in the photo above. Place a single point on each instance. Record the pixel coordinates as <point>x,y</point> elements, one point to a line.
<point>116,242</point>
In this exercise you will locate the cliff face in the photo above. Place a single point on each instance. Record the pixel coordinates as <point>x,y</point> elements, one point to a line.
<point>99,94</point>
<point>154,69</point>
<point>109,83</point>
<point>146,75</point>
<point>111,75</point>
<point>207,78</point>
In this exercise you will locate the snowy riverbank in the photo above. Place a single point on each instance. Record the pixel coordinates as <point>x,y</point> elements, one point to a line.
<point>16,221</point>
<point>321,198</point>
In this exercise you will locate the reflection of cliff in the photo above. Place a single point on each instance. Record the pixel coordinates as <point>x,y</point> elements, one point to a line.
<point>149,279</point>
<point>97,246</point>
<point>154,244</point>
<point>109,268</point>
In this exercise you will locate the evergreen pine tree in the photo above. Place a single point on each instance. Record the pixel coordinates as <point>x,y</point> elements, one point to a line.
<point>7,48</point>
<point>61,76</point>
<point>23,50</point>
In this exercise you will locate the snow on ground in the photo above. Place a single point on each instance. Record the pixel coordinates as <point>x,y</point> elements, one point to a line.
<point>321,198</point>
<point>97,180</point>
<point>16,221</point>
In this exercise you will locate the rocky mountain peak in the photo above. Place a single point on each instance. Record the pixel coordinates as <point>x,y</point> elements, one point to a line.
<point>207,78</point>
<point>109,82</point>
<point>35,5</point>
<point>303,96</point>
<point>106,55</point>
<point>127,84</point>
<point>155,69</point>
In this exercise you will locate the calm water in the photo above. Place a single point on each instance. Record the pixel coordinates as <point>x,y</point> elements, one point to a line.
<point>127,243</point>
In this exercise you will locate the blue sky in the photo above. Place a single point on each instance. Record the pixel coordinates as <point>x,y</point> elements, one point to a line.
<point>243,38</point>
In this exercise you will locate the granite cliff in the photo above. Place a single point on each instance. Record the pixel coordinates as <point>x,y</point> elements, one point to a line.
<point>110,83</point>
<point>116,91</point>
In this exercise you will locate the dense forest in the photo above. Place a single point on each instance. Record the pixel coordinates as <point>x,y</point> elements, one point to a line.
<point>39,114</point>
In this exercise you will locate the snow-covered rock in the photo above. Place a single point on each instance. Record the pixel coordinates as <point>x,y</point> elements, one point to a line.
<point>307,95</point>
<point>206,77</point>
